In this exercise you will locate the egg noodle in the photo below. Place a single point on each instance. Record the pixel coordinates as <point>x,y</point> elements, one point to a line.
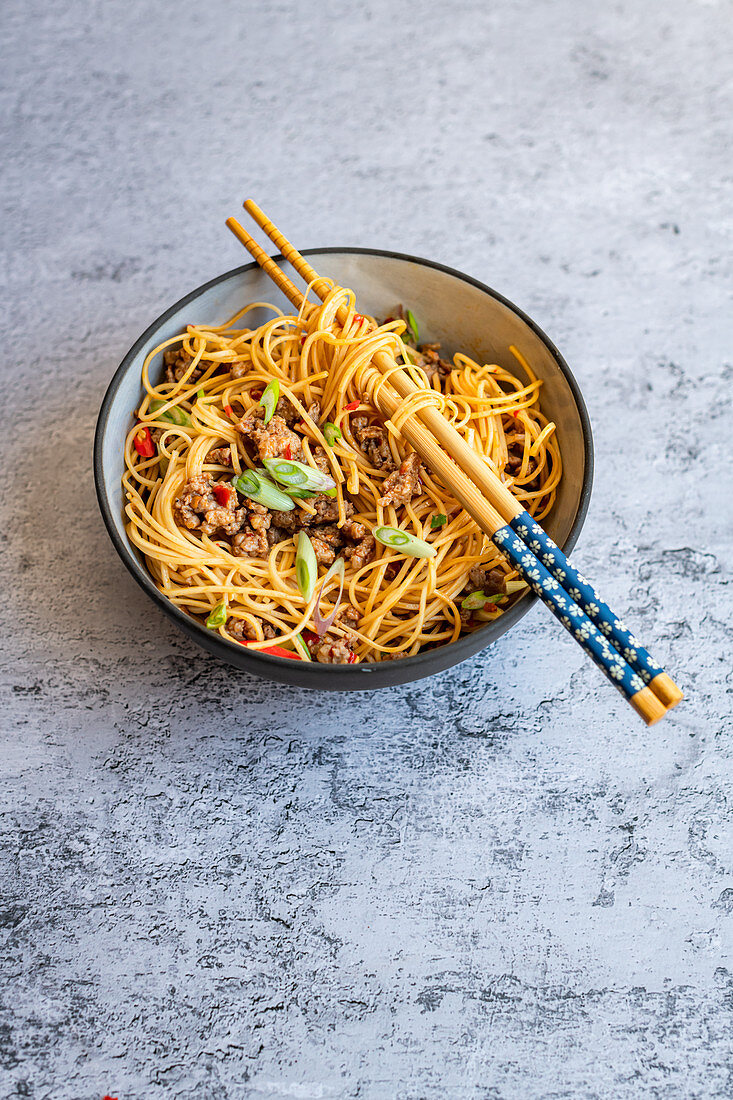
<point>404,603</point>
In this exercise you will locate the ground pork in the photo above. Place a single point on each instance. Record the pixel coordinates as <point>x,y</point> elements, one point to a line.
<point>335,651</point>
<point>401,486</point>
<point>363,553</point>
<point>326,512</point>
<point>490,581</point>
<point>430,360</point>
<point>220,456</point>
<point>274,440</point>
<point>243,630</point>
<point>177,361</point>
<point>198,509</point>
<point>250,544</point>
<point>372,438</point>
<point>321,460</point>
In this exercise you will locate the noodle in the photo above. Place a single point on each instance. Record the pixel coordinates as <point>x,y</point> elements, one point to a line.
<point>400,604</point>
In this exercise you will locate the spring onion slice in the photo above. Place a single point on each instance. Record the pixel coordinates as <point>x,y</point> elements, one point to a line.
<point>218,616</point>
<point>412,324</point>
<point>477,600</point>
<point>173,415</point>
<point>297,475</point>
<point>510,587</point>
<point>332,432</point>
<point>400,540</point>
<point>262,491</point>
<point>269,399</point>
<point>321,624</point>
<point>302,648</point>
<point>297,494</point>
<point>306,566</point>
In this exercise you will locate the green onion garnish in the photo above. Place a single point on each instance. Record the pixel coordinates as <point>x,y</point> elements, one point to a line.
<point>477,600</point>
<point>411,324</point>
<point>332,432</point>
<point>297,494</point>
<point>302,648</point>
<point>262,491</point>
<point>510,587</point>
<point>269,399</point>
<point>200,394</point>
<point>173,415</point>
<point>299,476</point>
<point>218,616</point>
<point>306,566</point>
<point>400,540</point>
<point>437,521</point>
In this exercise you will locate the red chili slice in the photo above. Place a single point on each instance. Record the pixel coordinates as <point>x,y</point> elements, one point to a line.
<point>228,410</point>
<point>352,405</point>
<point>144,443</point>
<point>223,494</point>
<point>278,651</point>
<point>352,658</point>
<point>288,453</point>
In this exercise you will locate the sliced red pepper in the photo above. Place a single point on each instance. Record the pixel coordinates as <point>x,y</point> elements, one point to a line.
<point>359,317</point>
<point>228,411</point>
<point>352,405</point>
<point>352,658</point>
<point>278,651</point>
<point>288,452</point>
<point>144,443</point>
<point>310,638</point>
<point>223,494</point>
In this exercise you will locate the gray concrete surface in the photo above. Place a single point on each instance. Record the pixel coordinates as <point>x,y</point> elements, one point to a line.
<point>495,884</point>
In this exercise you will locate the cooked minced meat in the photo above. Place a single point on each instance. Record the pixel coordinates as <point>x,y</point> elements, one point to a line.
<point>274,440</point>
<point>430,360</point>
<point>240,368</point>
<point>250,544</point>
<point>243,630</point>
<point>321,459</point>
<point>177,361</point>
<point>198,509</point>
<point>276,534</point>
<point>336,651</point>
<point>325,551</point>
<point>327,511</point>
<point>401,486</point>
<point>490,581</point>
<point>354,530</point>
<point>363,553</point>
<point>220,456</point>
<point>373,441</point>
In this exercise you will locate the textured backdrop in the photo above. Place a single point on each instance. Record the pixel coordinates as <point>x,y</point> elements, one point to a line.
<point>493,884</point>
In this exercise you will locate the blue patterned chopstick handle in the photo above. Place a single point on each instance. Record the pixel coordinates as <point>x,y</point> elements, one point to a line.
<point>564,607</point>
<point>574,583</point>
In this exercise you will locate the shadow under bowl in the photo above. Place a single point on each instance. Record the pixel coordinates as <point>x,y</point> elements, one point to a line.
<point>453,309</point>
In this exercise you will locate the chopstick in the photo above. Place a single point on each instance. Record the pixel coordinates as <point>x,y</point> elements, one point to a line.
<point>536,575</point>
<point>521,522</point>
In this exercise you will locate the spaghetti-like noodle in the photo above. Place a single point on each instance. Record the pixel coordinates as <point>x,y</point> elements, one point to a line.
<point>190,439</point>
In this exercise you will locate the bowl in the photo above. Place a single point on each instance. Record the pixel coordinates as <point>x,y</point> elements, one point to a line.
<point>454,309</point>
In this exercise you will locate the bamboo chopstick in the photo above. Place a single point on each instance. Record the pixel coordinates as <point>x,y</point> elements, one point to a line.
<point>521,522</point>
<point>487,517</point>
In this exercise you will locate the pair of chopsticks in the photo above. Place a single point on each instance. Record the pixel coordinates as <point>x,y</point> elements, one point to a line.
<point>537,559</point>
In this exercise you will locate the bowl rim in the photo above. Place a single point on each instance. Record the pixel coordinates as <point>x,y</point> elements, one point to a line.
<point>464,646</point>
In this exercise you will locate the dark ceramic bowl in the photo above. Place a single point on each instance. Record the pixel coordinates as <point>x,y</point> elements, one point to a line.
<point>452,308</point>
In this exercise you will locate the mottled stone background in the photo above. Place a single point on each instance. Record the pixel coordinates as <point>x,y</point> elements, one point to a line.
<point>493,884</point>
